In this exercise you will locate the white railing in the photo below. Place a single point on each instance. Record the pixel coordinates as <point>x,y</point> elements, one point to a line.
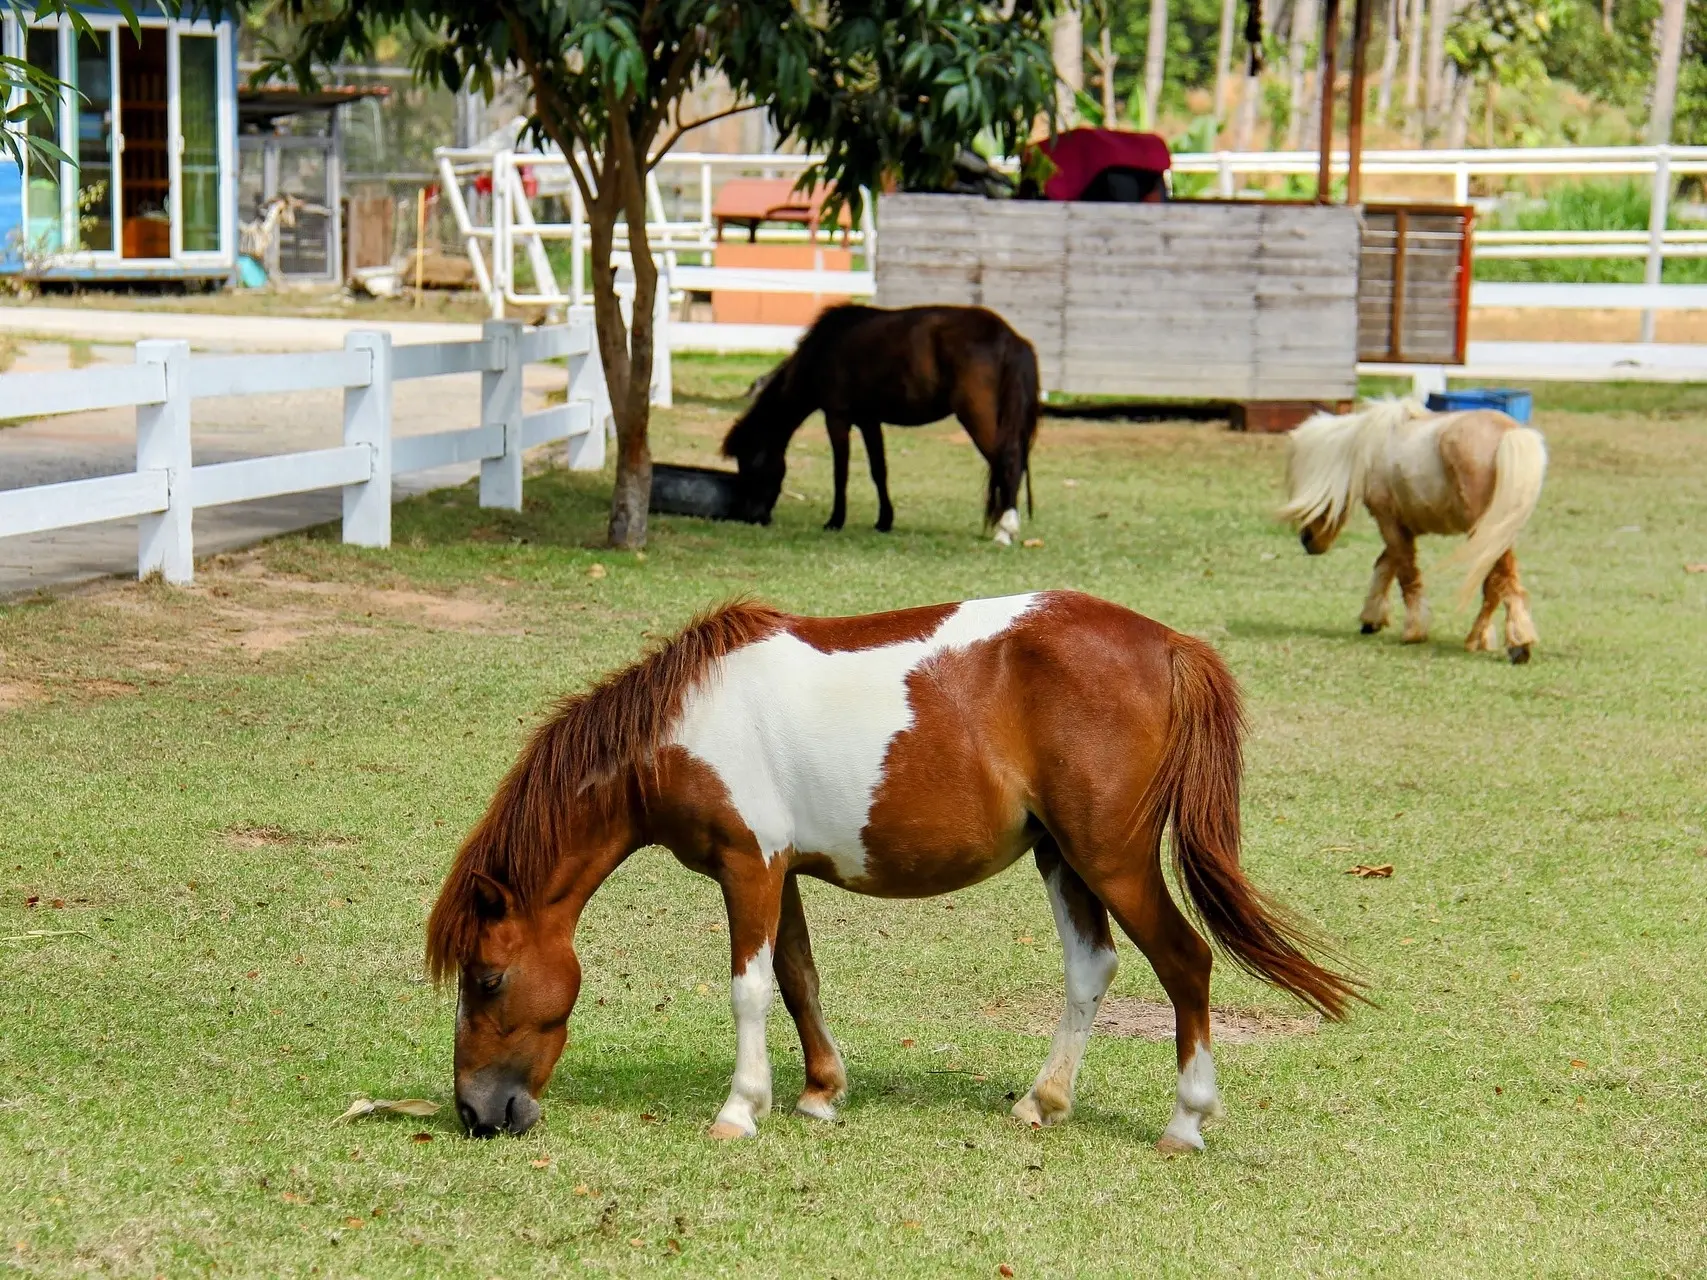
<point>513,229</point>
<point>167,486</point>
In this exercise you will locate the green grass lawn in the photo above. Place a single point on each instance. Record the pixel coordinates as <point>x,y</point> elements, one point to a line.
<point>224,813</point>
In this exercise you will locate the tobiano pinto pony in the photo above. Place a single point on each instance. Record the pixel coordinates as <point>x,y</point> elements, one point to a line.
<point>897,755</point>
<point>1478,472</point>
<point>865,366</point>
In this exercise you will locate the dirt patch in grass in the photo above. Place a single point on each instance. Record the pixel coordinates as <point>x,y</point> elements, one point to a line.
<point>17,693</point>
<point>1138,1019</point>
<point>244,836</point>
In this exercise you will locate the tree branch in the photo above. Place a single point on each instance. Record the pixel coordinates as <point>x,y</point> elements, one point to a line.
<point>676,135</point>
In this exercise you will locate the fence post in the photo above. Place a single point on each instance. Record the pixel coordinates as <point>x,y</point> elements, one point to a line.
<point>1657,208</point>
<point>662,391</point>
<point>587,386</point>
<point>1426,379</point>
<point>164,541</point>
<point>501,406</point>
<point>1461,183</point>
<point>367,420</point>
<point>1223,175</point>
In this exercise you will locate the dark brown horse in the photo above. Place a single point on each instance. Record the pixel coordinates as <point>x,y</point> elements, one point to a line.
<point>899,755</point>
<point>865,366</point>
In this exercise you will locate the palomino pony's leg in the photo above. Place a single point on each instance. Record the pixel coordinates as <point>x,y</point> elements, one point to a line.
<point>1402,546</point>
<point>752,891</point>
<point>797,976</point>
<point>1504,585</point>
<point>872,434</point>
<point>1082,922</point>
<point>1375,613</point>
<point>838,428</point>
<point>1131,884</point>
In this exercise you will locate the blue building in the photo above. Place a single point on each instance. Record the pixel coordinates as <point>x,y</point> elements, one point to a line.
<point>153,125</point>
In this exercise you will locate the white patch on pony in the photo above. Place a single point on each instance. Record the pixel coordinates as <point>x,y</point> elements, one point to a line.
<point>1007,528</point>
<point>1197,1099</point>
<point>1090,970</point>
<point>799,737</point>
<point>750,1089</point>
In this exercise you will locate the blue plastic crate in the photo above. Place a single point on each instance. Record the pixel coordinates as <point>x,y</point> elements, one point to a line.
<point>1515,404</point>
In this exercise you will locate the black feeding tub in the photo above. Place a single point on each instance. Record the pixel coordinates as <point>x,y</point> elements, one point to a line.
<point>696,491</point>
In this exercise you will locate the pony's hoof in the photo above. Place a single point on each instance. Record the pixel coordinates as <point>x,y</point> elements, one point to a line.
<point>1518,653</point>
<point>816,1106</point>
<point>1170,1146</point>
<point>1041,1113</point>
<point>727,1131</point>
<point>885,524</point>
<point>1368,629</point>
<point>1002,538</point>
<point>833,525</point>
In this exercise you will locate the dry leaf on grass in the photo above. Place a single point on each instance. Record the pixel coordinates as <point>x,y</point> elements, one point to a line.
<point>386,1106</point>
<point>1579,1064</point>
<point>1365,872</point>
<point>596,571</point>
<point>1695,568</point>
<point>1032,542</point>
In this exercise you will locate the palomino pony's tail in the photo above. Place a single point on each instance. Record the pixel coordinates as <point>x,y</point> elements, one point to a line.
<point>1520,465</point>
<point>1016,428</point>
<point>1197,787</point>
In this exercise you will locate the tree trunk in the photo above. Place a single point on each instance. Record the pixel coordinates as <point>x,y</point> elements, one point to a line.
<point>1413,61</point>
<point>1389,60</point>
<point>1067,43</point>
<point>1297,51</point>
<point>1250,102</point>
<point>1458,127</point>
<point>1155,60</point>
<point>1665,75</point>
<point>1438,12</point>
<point>1224,61</point>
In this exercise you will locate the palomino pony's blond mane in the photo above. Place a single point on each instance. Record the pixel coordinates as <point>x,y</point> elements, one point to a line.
<point>1330,455</point>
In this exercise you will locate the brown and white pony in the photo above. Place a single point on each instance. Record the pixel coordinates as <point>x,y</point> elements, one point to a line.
<point>900,755</point>
<point>1477,472</point>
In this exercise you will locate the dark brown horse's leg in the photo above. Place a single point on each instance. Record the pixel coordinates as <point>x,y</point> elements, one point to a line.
<point>752,891</point>
<point>872,434</point>
<point>1081,920</point>
<point>1132,886</point>
<point>838,428</point>
<point>797,977</point>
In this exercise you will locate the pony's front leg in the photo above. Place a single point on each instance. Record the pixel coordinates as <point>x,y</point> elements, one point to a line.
<point>872,433</point>
<point>838,429</point>
<point>1375,612</point>
<point>797,976</point>
<point>752,891</point>
<point>1403,548</point>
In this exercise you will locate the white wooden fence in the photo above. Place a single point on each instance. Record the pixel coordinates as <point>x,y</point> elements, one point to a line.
<point>167,487</point>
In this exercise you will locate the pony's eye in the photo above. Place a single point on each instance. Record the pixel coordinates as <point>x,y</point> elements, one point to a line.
<point>490,983</point>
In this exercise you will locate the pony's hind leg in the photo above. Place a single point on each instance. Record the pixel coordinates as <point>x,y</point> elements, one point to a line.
<point>752,891</point>
<point>1129,881</point>
<point>872,434</point>
<point>797,976</point>
<point>1375,611</point>
<point>1503,585</point>
<point>838,429</point>
<point>1402,545</point>
<point>1082,922</point>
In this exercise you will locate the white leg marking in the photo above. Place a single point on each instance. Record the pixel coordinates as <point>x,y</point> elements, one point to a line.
<point>1196,1100</point>
<point>1090,970</point>
<point>1007,528</point>
<point>750,1089</point>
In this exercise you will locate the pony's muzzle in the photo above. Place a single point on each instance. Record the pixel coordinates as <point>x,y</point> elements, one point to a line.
<point>493,1103</point>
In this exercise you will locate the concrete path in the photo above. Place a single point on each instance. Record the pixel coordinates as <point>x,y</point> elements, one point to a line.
<point>216,332</point>
<point>77,446</point>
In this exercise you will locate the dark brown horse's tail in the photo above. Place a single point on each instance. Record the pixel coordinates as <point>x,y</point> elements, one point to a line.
<point>1016,427</point>
<point>1197,787</point>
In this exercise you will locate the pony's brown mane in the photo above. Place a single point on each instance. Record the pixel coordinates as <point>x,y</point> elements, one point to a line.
<point>609,734</point>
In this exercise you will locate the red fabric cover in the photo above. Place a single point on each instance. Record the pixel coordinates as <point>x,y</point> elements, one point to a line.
<point>1081,154</point>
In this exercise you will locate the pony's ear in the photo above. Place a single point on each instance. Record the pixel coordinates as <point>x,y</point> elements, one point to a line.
<point>492,901</point>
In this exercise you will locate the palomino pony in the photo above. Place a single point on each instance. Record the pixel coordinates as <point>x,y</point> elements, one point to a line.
<point>864,366</point>
<point>1477,472</point>
<point>899,755</point>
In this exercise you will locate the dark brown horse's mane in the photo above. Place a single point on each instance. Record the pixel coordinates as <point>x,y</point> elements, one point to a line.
<point>610,733</point>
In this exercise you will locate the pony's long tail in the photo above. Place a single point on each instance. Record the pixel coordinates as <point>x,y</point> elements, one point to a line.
<point>1520,465</point>
<point>1016,427</point>
<point>1197,790</point>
